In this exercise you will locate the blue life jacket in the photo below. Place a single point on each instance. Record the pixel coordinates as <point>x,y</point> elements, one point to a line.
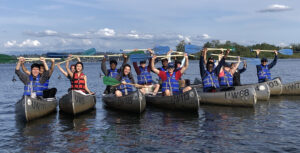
<point>171,83</point>
<point>144,77</point>
<point>226,80</point>
<point>33,86</point>
<point>210,80</point>
<point>264,74</point>
<point>45,85</point>
<point>127,87</point>
<point>113,73</point>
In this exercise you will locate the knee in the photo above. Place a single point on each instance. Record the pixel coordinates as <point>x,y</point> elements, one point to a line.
<point>167,93</point>
<point>118,93</point>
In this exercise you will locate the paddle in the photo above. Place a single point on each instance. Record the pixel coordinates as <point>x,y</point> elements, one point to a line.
<point>6,58</point>
<point>281,51</point>
<point>112,81</point>
<point>253,61</point>
<point>91,51</point>
<point>159,50</point>
<point>139,57</point>
<point>192,49</point>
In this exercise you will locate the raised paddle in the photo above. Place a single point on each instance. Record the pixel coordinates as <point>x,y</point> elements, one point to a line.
<point>159,50</point>
<point>192,49</point>
<point>281,51</point>
<point>113,82</point>
<point>91,51</point>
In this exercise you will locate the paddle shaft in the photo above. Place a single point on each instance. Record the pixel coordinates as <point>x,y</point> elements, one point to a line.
<point>36,59</point>
<point>223,55</point>
<point>213,49</point>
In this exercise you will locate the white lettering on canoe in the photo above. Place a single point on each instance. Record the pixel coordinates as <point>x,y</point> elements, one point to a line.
<point>237,94</point>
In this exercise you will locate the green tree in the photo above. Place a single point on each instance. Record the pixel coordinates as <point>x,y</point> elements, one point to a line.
<point>180,46</point>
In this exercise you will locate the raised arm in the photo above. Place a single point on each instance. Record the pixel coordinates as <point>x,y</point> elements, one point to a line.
<point>186,64</point>
<point>103,66</point>
<point>52,67</point>
<point>67,67</point>
<point>274,60</point>
<point>25,70</point>
<point>23,77</point>
<point>244,67</point>
<point>62,70</point>
<point>153,68</point>
<point>232,71</point>
<point>42,59</point>
<point>169,55</point>
<point>201,63</point>
<point>125,59</point>
<point>182,62</point>
<point>204,56</point>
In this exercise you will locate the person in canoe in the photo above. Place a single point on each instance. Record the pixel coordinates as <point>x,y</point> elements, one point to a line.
<point>127,82</point>
<point>263,70</point>
<point>144,76</point>
<point>48,93</point>
<point>170,79</point>
<point>35,80</point>
<point>237,73</point>
<point>113,71</point>
<point>226,75</point>
<point>72,68</point>
<point>79,79</point>
<point>210,74</point>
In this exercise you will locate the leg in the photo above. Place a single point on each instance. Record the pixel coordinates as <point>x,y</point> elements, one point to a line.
<point>118,93</point>
<point>167,93</point>
<point>52,92</point>
<point>142,90</point>
<point>156,89</point>
<point>188,88</point>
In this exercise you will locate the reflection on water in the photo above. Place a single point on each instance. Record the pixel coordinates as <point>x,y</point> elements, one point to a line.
<point>271,126</point>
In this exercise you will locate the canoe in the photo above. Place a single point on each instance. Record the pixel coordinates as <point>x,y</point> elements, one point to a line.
<point>188,101</point>
<point>275,86</point>
<point>243,97</point>
<point>76,102</point>
<point>134,102</point>
<point>292,88</point>
<point>262,90</point>
<point>28,108</point>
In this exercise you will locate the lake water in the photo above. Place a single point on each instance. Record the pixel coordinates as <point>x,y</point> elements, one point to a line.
<point>272,126</point>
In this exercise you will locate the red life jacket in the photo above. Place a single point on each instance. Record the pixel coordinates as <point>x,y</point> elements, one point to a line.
<point>78,83</point>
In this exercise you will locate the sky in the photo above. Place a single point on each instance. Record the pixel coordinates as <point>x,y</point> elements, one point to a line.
<point>111,25</point>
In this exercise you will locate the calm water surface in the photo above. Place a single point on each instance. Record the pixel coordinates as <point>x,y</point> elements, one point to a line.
<point>272,126</point>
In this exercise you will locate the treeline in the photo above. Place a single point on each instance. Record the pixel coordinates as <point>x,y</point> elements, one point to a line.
<point>244,51</point>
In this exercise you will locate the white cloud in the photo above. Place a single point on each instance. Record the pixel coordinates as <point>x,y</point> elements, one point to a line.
<point>276,8</point>
<point>87,42</point>
<point>25,44</point>
<point>106,32</point>
<point>9,44</point>
<point>205,36</point>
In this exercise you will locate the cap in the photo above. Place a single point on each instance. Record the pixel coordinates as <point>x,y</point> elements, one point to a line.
<point>142,62</point>
<point>226,65</point>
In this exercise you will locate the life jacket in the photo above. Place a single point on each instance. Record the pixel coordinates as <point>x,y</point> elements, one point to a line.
<point>113,73</point>
<point>226,80</point>
<point>33,86</point>
<point>125,88</point>
<point>171,83</point>
<point>210,80</point>
<point>264,74</point>
<point>144,77</point>
<point>78,83</point>
<point>178,69</point>
<point>45,85</point>
<point>161,69</point>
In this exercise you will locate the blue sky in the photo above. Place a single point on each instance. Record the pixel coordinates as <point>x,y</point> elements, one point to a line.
<point>120,24</point>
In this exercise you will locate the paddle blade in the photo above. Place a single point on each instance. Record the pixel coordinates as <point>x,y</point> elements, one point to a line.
<point>136,52</point>
<point>91,51</point>
<point>161,50</point>
<point>138,57</point>
<point>286,51</point>
<point>57,55</point>
<point>110,81</point>
<point>192,49</point>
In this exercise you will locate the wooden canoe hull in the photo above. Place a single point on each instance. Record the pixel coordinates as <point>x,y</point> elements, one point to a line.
<point>28,108</point>
<point>292,88</point>
<point>134,102</point>
<point>243,97</point>
<point>188,101</point>
<point>75,102</point>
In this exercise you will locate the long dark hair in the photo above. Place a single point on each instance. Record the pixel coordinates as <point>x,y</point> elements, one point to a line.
<point>123,68</point>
